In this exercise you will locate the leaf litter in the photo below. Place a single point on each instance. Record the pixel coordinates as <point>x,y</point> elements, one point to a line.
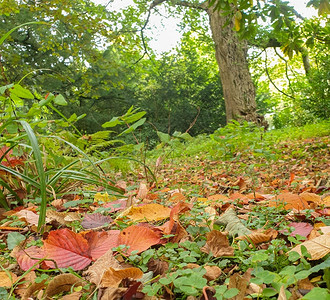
<point>211,230</point>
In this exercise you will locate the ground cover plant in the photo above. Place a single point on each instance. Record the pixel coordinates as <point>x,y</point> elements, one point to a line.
<point>242,219</point>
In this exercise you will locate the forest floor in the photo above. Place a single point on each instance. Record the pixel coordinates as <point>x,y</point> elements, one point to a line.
<point>244,224</point>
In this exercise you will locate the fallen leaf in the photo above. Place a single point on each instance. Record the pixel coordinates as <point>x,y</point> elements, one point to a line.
<point>7,279</point>
<point>310,198</point>
<point>112,277</point>
<point>240,283</point>
<point>303,229</point>
<point>28,257</point>
<point>139,238</point>
<point>146,213</point>
<point>317,247</point>
<point>217,243</point>
<point>259,236</point>
<point>64,218</point>
<point>212,272</point>
<point>100,242</point>
<point>95,220</point>
<point>177,197</point>
<point>282,295</point>
<point>68,249</point>
<point>29,216</point>
<point>290,201</point>
<point>96,271</point>
<point>62,283</point>
<point>142,192</point>
<point>115,205</point>
<point>157,266</point>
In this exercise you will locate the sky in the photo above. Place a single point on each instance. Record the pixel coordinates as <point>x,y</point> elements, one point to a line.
<point>164,33</point>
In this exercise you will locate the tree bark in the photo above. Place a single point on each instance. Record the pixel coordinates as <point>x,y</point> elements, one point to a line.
<point>238,88</point>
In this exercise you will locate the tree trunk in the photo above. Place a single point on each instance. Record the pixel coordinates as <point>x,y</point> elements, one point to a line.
<point>238,88</point>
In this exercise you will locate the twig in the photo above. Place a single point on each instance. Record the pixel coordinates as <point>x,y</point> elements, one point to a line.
<point>270,79</point>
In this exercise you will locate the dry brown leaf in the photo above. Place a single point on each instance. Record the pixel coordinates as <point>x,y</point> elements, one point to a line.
<point>325,229</point>
<point>111,293</point>
<point>58,203</point>
<point>177,197</point>
<point>142,192</point>
<point>217,243</point>
<point>240,283</point>
<point>211,215</point>
<point>95,272</point>
<point>32,289</point>
<point>157,266</point>
<point>254,289</point>
<point>326,201</point>
<point>62,283</point>
<point>148,212</point>
<point>218,198</point>
<point>27,280</point>
<point>310,197</point>
<point>305,284</point>
<point>64,218</point>
<point>28,216</point>
<point>259,236</point>
<point>112,277</point>
<point>282,295</point>
<point>72,296</point>
<point>317,247</point>
<point>212,272</point>
<point>7,278</point>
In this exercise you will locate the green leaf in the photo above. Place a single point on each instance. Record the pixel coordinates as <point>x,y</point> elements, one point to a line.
<point>268,292</point>
<point>5,87</point>
<point>59,100</point>
<point>13,239</point>
<point>164,137</point>
<point>133,126</point>
<point>134,117</point>
<point>231,293</point>
<point>41,172</point>
<point>112,123</point>
<point>43,102</point>
<point>21,92</point>
<point>317,293</point>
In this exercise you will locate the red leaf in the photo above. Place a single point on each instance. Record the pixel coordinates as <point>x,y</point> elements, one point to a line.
<point>100,242</point>
<point>95,220</point>
<point>139,238</point>
<point>303,229</point>
<point>68,249</point>
<point>116,205</point>
<point>28,257</point>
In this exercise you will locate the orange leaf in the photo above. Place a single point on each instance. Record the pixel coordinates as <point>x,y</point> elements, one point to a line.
<point>289,201</point>
<point>138,238</point>
<point>68,249</point>
<point>112,277</point>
